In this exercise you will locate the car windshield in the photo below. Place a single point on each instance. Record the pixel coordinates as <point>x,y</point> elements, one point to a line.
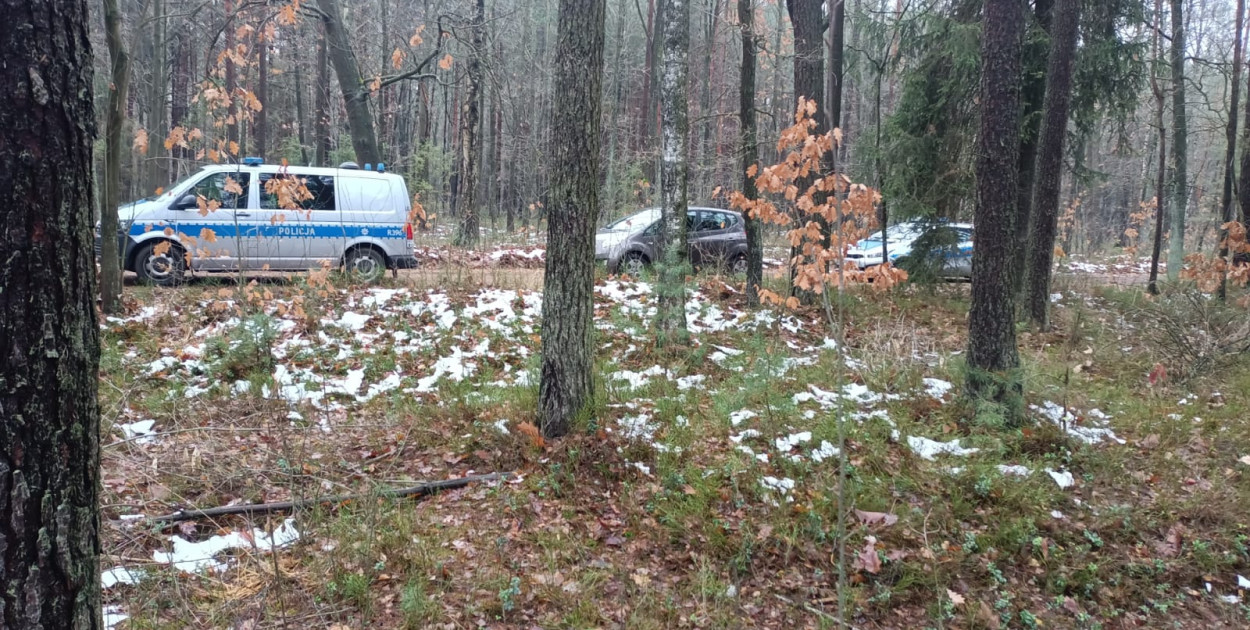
<point>898,233</point>
<point>634,222</point>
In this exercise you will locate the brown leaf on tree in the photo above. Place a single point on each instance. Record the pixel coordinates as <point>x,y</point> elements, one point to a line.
<point>445,62</point>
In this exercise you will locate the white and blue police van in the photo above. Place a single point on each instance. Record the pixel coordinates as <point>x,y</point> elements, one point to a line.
<point>234,217</point>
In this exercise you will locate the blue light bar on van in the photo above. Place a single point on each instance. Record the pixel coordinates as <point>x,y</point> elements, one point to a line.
<point>368,166</point>
<point>253,161</point>
<point>381,167</point>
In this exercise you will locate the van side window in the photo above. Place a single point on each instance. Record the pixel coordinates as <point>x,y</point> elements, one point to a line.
<point>228,189</point>
<point>281,191</point>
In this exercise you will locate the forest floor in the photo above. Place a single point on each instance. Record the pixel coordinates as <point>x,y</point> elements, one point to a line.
<point>703,493</point>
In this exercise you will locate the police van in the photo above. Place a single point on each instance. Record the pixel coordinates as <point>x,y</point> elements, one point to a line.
<point>257,216</point>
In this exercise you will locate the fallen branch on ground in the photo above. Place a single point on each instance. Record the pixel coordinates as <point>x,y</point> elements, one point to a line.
<point>418,490</point>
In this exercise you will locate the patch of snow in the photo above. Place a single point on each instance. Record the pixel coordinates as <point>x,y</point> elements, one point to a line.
<point>688,382</point>
<point>639,379</point>
<point>738,416</point>
<point>113,615</point>
<point>936,387</point>
<point>1063,479</point>
<point>501,426</point>
<point>141,431</point>
<point>749,433</point>
<point>782,486</point>
<point>1243,582</point>
<point>1087,434</point>
<point>786,444</point>
<point>930,449</point>
<point>1014,469</point>
<point>826,451</point>
<point>162,364</point>
<point>352,321</point>
<point>197,557</point>
<point>120,575</point>
<point>1056,514</point>
<point>637,427</point>
<point>645,469</point>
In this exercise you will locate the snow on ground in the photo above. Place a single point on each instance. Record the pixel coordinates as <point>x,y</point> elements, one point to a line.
<point>198,557</point>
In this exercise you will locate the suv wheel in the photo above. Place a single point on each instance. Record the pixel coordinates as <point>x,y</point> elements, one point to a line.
<point>738,266</point>
<point>633,263</point>
<point>162,263</point>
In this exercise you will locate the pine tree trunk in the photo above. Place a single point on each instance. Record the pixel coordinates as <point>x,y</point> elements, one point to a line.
<point>566,389</point>
<point>809,83</point>
<point>992,354</point>
<point>1036,51</point>
<point>1226,196</point>
<point>355,92</point>
<point>232,75</point>
<point>470,136</point>
<point>115,118</point>
<point>1152,285</point>
<point>608,198</point>
<point>260,120</point>
<point>750,148</point>
<point>321,100</point>
<point>1180,145</point>
<point>670,321</point>
<point>179,97</point>
<point>1045,214</point>
<point>158,165</point>
<point>49,417</point>
<point>707,155</point>
<point>837,29</point>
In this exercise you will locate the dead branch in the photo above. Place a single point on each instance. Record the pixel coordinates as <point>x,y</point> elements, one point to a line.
<point>419,490</point>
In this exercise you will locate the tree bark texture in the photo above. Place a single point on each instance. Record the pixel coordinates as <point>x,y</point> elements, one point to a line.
<point>115,118</point>
<point>566,388</point>
<point>750,148</point>
<point>1152,285</point>
<point>260,121</point>
<point>49,339</point>
<point>1180,145</point>
<point>1036,50</point>
<point>809,83</point>
<point>157,156</point>
<point>1230,157</point>
<point>1044,219</point>
<point>992,353</point>
<point>355,92</point>
<point>471,135</point>
<point>321,99</point>
<point>232,75</point>
<point>837,42</point>
<point>674,265</point>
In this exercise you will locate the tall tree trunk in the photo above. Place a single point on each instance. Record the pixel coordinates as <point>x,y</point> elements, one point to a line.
<point>1226,197</point>
<point>1180,145</point>
<point>992,355</point>
<point>809,83</point>
<point>49,336</point>
<point>157,158</point>
<point>1036,51</point>
<point>301,116</point>
<point>232,77</point>
<point>647,110</point>
<point>779,114</point>
<point>260,121</point>
<point>355,92</point>
<point>670,321</point>
<point>566,388</point>
<point>750,148</point>
<point>608,197</point>
<point>321,100</point>
<point>470,136</point>
<point>1152,285</point>
<point>115,119</point>
<point>1045,215</point>
<point>837,39</point>
<point>707,156</point>
<point>179,96</point>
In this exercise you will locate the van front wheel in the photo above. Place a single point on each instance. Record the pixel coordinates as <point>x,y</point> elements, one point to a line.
<point>365,263</point>
<point>162,263</point>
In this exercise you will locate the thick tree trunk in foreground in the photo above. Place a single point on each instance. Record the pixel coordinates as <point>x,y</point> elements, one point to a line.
<point>1045,215</point>
<point>670,321</point>
<point>1226,197</point>
<point>471,136</point>
<point>566,388</point>
<point>1180,145</point>
<point>750,148</point>
<point>49,419</point>
<point>115,118</point>
<point>355,92</point>
<point>992,354</point>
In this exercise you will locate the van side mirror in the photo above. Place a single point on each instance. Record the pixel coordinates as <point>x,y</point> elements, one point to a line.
<point>185,202</point>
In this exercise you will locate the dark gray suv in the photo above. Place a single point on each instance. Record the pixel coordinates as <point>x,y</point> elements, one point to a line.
<point>716,237</point>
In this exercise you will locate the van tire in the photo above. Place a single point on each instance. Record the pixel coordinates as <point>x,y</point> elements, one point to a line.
<point>365,264</point>
<point>166,269</point>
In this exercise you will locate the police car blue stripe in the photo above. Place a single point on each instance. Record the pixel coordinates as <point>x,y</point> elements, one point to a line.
<point>277,230</point>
